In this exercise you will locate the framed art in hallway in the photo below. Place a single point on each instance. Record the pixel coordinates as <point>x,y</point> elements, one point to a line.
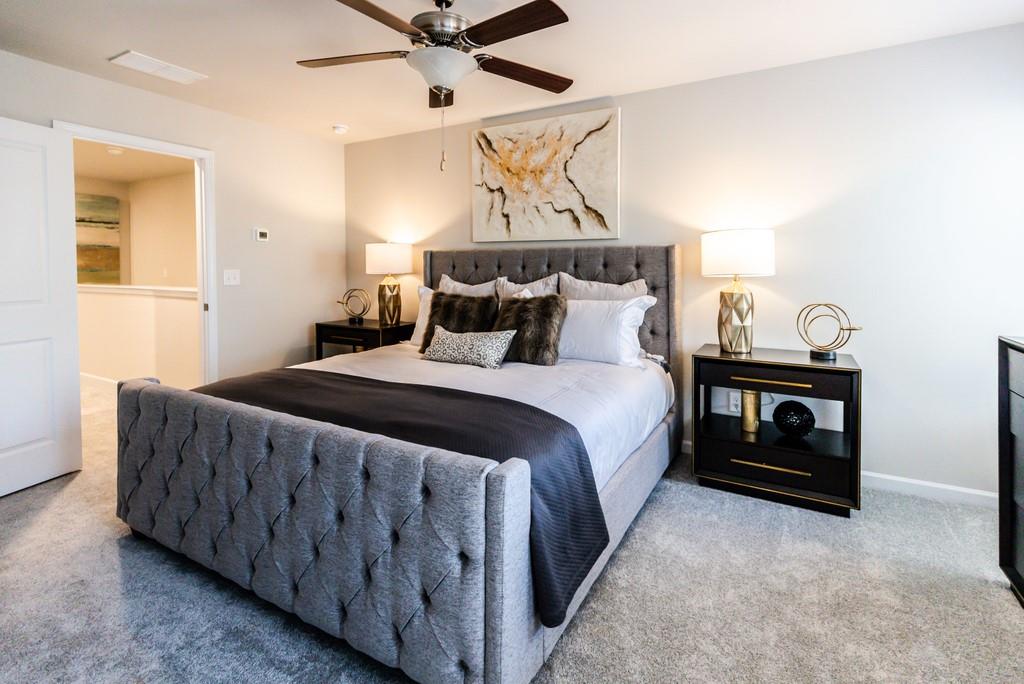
<point>549,179</point>
<point>98,227</point>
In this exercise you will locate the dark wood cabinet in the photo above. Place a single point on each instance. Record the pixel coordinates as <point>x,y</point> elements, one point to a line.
<point>820,471</point>
<point>369,334</point>
<point>1011,462</point>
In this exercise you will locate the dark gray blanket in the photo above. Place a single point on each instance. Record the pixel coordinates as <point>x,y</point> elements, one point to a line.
<point>567,532</point>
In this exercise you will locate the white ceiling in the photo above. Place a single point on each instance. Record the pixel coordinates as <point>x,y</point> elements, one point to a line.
<point>93,160</point>
<point>249,47</point>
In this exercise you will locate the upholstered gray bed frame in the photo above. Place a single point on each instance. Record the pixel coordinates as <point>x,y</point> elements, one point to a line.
<point>416,556</point>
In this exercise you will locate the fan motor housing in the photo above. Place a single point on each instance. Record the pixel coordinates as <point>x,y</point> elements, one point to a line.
<point>442,27</point>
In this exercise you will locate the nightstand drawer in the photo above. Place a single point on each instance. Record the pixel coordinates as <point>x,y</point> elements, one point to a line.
<point>362,338</point>
<point>819,384</point>
<point>1015,367</point>
<point>774,466</point>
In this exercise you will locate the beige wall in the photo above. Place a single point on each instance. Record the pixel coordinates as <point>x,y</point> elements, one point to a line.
<point>893,180</point>
<point>134,332</point>
<point>289,183</point>
<point>109,188</point>
<point>164,231</point>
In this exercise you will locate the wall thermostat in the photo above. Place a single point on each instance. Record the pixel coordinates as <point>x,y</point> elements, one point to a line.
<point>260,234</point>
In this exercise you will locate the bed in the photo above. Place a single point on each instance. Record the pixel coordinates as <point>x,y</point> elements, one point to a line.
<point>417,556</point>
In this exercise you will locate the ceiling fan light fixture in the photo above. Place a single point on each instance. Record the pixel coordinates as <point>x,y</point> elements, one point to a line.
<point>441,67</point>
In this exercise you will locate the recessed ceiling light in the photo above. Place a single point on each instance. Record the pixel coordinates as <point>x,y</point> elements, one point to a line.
<point>116,151</point>
<point>340,129</point>
<point>156,67</point>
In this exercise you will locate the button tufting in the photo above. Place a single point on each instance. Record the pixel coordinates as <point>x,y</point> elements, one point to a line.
<point>464,666</point>
<point>463,558</point>
<point>341,516</point>
<point>394,537</point>
<point>426,491</point>
<point>425,597</point>
<point>291,500</point>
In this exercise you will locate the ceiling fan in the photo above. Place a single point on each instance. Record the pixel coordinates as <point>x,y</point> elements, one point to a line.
<point>442,42</point>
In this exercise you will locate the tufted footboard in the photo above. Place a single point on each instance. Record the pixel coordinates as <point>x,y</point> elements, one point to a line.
<point>379,542</point>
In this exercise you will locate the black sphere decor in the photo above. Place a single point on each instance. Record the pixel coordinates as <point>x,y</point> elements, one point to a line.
<point>793,418</point>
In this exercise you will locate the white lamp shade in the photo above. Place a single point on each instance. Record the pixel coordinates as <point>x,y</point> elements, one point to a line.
<point>441,67</point>
<point>388,258</point>
<point>737,253</point>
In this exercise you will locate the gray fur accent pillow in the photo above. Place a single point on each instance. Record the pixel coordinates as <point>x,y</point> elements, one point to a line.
<point>459,314</point>
<point>538,322</point>
<point>484,349</point>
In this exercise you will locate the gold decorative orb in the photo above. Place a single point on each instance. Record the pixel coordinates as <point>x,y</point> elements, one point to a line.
<point>356,303</point>
<point>839,332</point>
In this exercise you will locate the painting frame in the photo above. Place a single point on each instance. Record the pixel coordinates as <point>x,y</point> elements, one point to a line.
<point>551,179</point>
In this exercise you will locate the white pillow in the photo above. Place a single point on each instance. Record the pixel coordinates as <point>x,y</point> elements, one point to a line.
<point>455,287</point>
<point>523,294</point>
<point>539,288</point>
<point>426,294</point>
<point>574,288</point>
<point>604,330</point>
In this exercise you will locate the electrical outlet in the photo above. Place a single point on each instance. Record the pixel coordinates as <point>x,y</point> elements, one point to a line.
<point>734,402</point>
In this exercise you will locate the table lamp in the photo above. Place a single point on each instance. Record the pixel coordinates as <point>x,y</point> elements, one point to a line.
<point>387,259</point>
<point>735,253</point>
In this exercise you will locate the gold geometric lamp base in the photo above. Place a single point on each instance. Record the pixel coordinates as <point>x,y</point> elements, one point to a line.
<point>736,318</point>
<point>389,301</point>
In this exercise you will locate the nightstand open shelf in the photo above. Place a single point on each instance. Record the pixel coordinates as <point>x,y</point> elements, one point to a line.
<point>820,471</point>
<point>820,442</point>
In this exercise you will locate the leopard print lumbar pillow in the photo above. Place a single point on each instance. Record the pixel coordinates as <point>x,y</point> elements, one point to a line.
<point>484,349</point>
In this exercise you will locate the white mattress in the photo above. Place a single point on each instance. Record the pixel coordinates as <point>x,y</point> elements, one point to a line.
<point>614,408</point>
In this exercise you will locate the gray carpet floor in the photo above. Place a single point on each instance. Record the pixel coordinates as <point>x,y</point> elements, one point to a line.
<point>707,587</point>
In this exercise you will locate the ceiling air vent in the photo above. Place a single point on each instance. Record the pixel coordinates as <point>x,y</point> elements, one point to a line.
<point>155,67</point>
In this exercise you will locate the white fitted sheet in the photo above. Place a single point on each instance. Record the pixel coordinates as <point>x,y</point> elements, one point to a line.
<point>614,408</point>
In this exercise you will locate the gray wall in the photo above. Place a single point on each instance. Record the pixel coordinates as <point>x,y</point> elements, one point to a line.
<point>289,183</point>
<point>893,179</point>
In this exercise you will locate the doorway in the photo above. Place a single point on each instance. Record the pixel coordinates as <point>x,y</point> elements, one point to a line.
<point>144,233</point>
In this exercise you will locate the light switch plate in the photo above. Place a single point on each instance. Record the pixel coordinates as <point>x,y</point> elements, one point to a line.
<point>232,277</point>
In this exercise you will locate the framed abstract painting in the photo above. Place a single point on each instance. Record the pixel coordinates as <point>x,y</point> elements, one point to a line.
<point>550,179</point>
<point>98,229</point>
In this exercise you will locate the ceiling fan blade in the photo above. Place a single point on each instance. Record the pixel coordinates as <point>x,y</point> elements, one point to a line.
<point>436,100</point>
<point>533,16</point>
<point>523,73</point>
<point>352,59</point>
<point>383,16</point>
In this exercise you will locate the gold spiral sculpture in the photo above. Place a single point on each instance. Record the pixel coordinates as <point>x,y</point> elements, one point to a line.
<point>361,307</point>
<point>844,329</point>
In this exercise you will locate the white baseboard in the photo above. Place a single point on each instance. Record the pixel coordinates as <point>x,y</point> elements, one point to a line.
<point>98,378</point>
<point>930,490</point>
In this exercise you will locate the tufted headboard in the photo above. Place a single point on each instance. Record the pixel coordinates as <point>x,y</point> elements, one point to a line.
<point>657,265</point>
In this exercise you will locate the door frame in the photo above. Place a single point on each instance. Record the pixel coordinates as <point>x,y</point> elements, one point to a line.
<point>206,257</point>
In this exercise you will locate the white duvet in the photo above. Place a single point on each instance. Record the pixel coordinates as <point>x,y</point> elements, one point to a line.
<point>614,408</point>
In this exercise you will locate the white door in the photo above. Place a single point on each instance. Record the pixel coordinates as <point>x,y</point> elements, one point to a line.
<point>40,419</point>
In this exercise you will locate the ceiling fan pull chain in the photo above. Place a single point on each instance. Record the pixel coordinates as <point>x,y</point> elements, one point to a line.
<point>444,154</point>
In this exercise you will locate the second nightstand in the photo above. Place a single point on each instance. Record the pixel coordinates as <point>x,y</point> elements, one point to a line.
<point>819,471</point>
<point>369,334</point>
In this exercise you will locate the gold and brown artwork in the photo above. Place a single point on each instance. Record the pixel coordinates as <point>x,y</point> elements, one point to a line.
<point>98,227</point>
<point>552,179</point>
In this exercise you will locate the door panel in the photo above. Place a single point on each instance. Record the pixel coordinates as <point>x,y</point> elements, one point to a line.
<point>40,420</point>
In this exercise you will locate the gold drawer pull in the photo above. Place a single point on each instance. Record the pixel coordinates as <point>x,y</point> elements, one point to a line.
<point>770,467</point>
<point>740,378</point>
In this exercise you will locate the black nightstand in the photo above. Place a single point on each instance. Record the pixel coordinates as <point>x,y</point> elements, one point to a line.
<point>369,334</point>
<point>820,471</point>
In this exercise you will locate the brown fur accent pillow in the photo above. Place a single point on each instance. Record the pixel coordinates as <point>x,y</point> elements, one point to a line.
<point>538,322</point>
<point>459,314</point>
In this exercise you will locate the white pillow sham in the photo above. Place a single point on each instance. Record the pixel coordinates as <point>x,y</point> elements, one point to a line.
<point>604,330</point>
<point>451,286</point>
<point>574,288</point>
<point>426,294</point>
<point>539,288</point>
